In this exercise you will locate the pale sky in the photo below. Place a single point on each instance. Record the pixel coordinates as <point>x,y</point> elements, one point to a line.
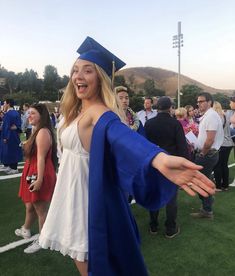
<point>38,33</point>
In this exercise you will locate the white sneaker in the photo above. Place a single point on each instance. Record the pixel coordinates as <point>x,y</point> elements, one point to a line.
<point>232,184</point>
<point>11,171</point>
<point>33,247</point>
<point>22,232</point>
<point>5,169</point>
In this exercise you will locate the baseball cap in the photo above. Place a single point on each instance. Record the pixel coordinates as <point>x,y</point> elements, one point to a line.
<point>164,103</point>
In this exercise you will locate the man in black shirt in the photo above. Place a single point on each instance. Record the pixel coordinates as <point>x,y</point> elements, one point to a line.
<point>166,132</point>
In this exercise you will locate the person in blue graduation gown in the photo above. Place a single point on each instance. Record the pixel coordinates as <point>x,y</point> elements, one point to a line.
<point>120,161</point>
<point>11,151</point>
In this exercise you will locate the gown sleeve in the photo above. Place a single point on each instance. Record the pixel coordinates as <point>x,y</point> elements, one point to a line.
<point>6,127</point>
<point>120,160</point>
<point>132,157</point>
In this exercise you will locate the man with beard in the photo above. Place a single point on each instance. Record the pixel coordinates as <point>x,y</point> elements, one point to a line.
<point>210,139</point>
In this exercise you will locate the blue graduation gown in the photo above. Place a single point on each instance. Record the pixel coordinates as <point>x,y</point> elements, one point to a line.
<point>11,152</point>
<point>120,162</point>
<point>141,130</point>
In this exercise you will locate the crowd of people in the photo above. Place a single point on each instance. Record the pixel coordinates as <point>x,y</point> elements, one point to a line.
<point>110,155</point>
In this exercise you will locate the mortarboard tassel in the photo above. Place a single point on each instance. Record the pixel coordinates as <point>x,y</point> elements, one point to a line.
<point>113,72</point>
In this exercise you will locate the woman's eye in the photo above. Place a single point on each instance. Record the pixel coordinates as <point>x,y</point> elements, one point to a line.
<point>87,71</point>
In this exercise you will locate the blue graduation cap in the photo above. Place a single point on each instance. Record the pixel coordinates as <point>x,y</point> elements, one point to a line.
<point>92,51</point>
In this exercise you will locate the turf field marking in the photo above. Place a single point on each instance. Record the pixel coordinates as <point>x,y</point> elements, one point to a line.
<point>2,177</point>
<point>15,244</point>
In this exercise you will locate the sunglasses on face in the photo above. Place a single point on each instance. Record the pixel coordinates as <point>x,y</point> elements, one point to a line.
<point>202,101</point>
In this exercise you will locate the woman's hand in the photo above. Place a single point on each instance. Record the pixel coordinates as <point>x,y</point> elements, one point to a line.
<point>184,174</point>
<point>35,186</point>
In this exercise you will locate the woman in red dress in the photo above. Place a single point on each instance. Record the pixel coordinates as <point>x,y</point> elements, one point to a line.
<point>39,175</point>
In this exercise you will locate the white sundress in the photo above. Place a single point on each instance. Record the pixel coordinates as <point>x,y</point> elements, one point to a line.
<point>66,225</point>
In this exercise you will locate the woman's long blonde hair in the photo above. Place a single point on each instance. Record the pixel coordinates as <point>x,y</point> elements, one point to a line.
<point>218,108</point>
<point>71,104</point>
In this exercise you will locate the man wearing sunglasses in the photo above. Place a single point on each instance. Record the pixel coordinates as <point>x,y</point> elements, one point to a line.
<point>210,138</point>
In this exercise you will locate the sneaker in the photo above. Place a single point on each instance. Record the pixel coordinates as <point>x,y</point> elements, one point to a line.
<point>153,229</point>
<point>232,184</point>
<point>203,214</point>
<point>5,169</point>
<point>22,232</point>
<point>170,234</point>
<point>11,171</point>
<point>33,247</point>
<point>2,168</point>
<point>218,190</point>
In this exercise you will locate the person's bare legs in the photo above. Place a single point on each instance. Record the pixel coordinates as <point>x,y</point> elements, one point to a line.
<point>41,208</point>
<point>30,215</point>
<point>82,267</point>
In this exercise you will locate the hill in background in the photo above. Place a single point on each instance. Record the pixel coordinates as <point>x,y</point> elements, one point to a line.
<point>164,80</point>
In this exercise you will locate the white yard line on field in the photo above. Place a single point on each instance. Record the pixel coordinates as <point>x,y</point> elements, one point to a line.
<point>2,177</point>
<point>18,167</point>
<point>15,244</point>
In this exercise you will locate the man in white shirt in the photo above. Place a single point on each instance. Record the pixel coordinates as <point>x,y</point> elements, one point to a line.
<point>210,139</point>
<point>148,112</point>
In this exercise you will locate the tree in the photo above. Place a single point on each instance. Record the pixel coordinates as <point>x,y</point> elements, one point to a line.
<point>136,102</point>
<point>149,87</point>
<point>151,90</point>
<point>119,81</point>
<point>131,81</point>
<point>50,83</point>
<point>189,94</point>
<point>63,82</point>
<point>3,72</point>
<point>28,82</point>
<point>21,97</point>
<point>222,99</point>
<point>12,81</point>
<point>160,93</point>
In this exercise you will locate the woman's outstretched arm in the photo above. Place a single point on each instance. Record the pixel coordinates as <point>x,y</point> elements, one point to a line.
<point>184,174</point>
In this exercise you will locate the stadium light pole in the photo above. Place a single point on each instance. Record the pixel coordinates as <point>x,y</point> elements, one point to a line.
<point>178,43</point>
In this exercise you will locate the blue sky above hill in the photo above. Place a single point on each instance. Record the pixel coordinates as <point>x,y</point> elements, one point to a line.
<point>35,34</point>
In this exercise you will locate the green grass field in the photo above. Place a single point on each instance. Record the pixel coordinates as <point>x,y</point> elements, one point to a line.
<point>203,247</point>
